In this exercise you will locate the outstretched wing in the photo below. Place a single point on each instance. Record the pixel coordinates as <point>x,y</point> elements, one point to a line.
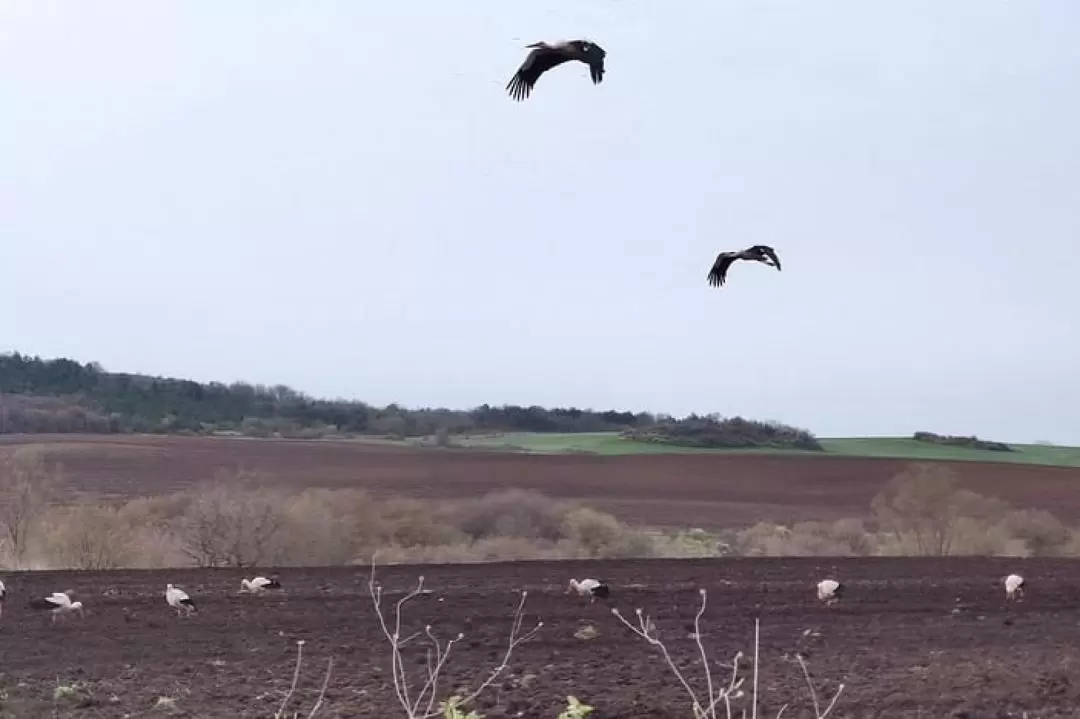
<point>536,64</point>
<point>765,252</point>
<point>718,273</point>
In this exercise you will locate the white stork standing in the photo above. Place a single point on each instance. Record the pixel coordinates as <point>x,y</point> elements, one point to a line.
<point>179,600</point>
<point>59,603</point>
<point>257,584</point>
<point>1014,586</point>
<point>593,587</point>
<point>829,591</point>
<point>3,595</point>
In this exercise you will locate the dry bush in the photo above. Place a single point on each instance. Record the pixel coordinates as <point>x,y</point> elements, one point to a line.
<point>842,538</point>
<point>512,513</point>
<point>328,527</point>
<point>597,534</point>
<point>27,487</point>
<point>1040,531</point>
<point>922,509</point>
<point>231,523</point>
<point>415,523</point>
<point>688,543</point>
<point>90,536</point>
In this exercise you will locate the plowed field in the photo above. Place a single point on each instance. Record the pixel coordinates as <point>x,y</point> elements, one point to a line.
<point>706,490</point>
<point>894,640</point>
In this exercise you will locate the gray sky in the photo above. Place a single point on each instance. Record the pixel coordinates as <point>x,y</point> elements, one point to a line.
<point>341,197</point>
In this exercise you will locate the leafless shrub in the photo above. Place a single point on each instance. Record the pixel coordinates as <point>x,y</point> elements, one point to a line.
<point>421,704</point>
<point>27,486</point>
<point>88,536</point>
<point>511,513</point>
<point>922,509</point>
<point>720,694</point>
<point>1042,533</point>
<point>226,525</point>
<point>842,538</point>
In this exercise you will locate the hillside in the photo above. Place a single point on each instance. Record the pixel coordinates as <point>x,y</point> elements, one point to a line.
<point>610,443</point>
<point>39,396</point>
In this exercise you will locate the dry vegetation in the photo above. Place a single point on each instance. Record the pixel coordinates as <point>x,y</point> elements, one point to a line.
<point>234,519</point>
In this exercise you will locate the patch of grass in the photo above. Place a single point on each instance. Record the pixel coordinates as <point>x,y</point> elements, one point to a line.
<point>609,443</point>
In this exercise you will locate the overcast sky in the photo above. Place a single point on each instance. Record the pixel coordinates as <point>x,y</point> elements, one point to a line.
<point>340,196</point>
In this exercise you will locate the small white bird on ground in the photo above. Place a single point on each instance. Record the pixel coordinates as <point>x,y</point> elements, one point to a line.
<point>257,584</point>
<point>592,587</point>
<point>59,603</point>
<point>179,600</point>
<point>1014,586</point>
<point>829,591</point>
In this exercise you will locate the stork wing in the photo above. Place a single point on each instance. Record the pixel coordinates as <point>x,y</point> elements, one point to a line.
<point>718,273</point>
<point>59,599</point>
<point>260,581</point>
<point>536,64</point>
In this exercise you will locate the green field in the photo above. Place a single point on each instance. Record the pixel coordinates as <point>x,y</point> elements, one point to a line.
<point>891,447</point>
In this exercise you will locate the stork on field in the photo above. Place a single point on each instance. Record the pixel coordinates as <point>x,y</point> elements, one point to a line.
<point>592,587</point>
<point>59,604</point>
<point>179,600</point>
<point>1014,586</point>
<point>257,584</point>
<point>829,591</point>
<point>3,596</point>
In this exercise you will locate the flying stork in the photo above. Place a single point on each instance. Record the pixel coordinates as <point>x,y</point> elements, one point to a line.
<point>758,253</point>
<point>545,56</point>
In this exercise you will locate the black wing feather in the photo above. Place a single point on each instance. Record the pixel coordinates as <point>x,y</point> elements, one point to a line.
<point>536,64</point>
<point>718,273</point>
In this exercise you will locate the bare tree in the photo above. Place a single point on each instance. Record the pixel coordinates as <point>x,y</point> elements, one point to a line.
<point>924,505</point>
<point>92,537</point>
<point>27,486</point>
<point>232,523</point>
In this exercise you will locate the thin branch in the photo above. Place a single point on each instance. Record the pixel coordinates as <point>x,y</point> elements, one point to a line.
<point>813,693</point>
<point>437,654</point>
<point>322,692</point>
<point>295,679</point>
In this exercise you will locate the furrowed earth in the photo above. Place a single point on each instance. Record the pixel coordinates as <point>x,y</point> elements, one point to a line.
<point>703,490</point>
<point>895,640</point>
<point>911,637</point>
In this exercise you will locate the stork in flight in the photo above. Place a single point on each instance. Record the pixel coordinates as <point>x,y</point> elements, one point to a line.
<point>758,253</point>
<point>545,56</point>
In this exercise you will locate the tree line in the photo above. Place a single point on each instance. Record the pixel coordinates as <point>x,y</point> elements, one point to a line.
<point>61,395</point>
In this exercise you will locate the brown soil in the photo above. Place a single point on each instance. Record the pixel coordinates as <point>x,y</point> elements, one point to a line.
<point>676,489</point>
<point>894,640</point>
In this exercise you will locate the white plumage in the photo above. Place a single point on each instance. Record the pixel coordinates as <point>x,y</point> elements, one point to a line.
<point>1014,586</point>
<point>3,595</point>
<point>829,591</point>
<point>592,587</point>
<point>179,600</point>
<point>257,584</point>
<point>58,603</point>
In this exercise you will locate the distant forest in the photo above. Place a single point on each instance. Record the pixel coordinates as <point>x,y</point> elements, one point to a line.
<point>39,396</point>
<point>61,395</point>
